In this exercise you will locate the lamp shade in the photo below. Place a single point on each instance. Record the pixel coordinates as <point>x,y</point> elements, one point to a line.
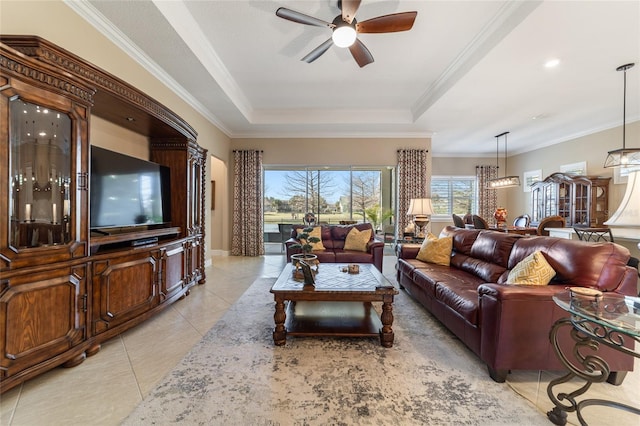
<point>420,207</point>
<point>628,213</point>
<point>503,182</point>
<point>624,157</point>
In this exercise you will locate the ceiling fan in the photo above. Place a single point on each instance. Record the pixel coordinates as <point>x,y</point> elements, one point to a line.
<point>346,29</point>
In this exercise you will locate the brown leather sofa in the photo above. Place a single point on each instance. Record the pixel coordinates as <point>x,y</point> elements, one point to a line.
<point>333,238</point>
<point>508,326</point>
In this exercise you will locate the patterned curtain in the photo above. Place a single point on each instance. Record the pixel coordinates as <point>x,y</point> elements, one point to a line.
<point>247,232</point>
<point>487,198</point>
<point>413,182</point>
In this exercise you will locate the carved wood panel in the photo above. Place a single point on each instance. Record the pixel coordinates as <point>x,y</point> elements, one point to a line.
<point>45,313</point>
<point>123,288</point>
<point>173,276</point>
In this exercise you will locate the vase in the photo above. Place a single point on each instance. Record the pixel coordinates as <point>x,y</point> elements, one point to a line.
<point>309,258</point>
<point>500,215</point>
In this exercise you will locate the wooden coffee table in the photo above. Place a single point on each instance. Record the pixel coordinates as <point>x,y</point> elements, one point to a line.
<point>338,305</point>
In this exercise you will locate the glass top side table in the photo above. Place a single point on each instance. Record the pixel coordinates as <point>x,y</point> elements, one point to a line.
<point>608,319</point>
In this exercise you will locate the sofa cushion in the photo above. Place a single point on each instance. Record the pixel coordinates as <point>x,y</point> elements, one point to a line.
<point>461,295</point>
<point>533,270</point>
<point>340,232</point>
<point>315,232</point>
<point>432,275</point>
<point>494,247</point>
<point>357,240</point>
<point>463,239</point>
<point>436,250</point>
<point>352,256</point>
<point>489,255</point>
<point>596,265</point>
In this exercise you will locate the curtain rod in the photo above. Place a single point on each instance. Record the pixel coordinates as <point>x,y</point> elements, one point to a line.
<point>412,149</point>
<point>242,150</point>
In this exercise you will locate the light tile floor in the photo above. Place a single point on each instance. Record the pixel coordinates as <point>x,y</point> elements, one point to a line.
<point>105,388</point>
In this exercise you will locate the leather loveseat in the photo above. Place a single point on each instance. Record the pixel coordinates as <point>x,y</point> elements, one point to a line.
<point>508,325</point>
<point>333,239</point>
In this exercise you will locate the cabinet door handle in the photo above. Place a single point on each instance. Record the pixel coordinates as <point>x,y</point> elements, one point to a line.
<point>83,181</point>
<point>84,303</point>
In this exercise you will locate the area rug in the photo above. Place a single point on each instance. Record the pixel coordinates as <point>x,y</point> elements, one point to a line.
<point>236,376</point>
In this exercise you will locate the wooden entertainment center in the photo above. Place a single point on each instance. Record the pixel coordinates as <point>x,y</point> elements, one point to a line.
<point>64,289</point>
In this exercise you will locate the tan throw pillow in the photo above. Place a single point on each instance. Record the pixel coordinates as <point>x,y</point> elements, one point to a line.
<point>357,240</point>
<point>315,232</point>
<point>532,270</point>
<point>436,250</point>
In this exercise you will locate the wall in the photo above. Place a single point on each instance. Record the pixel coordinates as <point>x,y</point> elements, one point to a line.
<point>107,135</point>
<point>56,22</point>
<point>220,215</point>
<point>334,152</point>
<point>592,148</point>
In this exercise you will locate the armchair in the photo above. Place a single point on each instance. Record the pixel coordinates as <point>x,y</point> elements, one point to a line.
<point>550,222</point>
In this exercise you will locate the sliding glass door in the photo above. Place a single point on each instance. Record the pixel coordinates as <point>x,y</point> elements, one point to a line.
<point>332,194</point>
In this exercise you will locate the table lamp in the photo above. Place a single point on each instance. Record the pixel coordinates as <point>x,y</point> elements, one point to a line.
<point>420,209</point>
<point>628,213</point>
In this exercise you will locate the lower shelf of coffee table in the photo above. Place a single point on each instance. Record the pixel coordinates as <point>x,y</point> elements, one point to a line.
<point>350,319</point>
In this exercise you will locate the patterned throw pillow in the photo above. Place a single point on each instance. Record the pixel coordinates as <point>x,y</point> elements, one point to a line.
<point>436,250</point>
<point>357,240</point>
<point>533,270</point>
<point>316,232</point>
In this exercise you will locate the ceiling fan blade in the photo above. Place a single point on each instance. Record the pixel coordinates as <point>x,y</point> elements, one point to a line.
<point>301,18</point>
<point>388,23</point>
<point>360,53</point>
<point>349,9</point>
<point>318,51</point>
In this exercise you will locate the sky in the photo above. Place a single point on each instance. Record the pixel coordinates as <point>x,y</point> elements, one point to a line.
<point>275,181</point>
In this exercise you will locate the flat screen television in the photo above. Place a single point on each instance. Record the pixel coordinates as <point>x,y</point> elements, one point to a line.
<point>126,191</point>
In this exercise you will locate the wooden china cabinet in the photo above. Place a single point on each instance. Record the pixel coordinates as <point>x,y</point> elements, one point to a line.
<point>63,288</point>
<point>581,200</point>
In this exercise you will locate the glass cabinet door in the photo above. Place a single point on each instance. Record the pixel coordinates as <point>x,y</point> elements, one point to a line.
<point>40,175</point>
<point>582,203</point>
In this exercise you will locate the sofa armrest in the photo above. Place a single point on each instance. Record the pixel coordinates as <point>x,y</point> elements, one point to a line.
<point>504,292</point>
<point>376,248</point>
<point>407,251</point>
<point>373,244</point>
<point>516,321</point>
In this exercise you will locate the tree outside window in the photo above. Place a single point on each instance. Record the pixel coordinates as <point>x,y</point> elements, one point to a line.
<point>332,195</point>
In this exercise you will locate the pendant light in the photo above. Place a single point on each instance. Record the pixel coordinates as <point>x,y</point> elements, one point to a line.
<point>624,157</point>
<point>506,181</point>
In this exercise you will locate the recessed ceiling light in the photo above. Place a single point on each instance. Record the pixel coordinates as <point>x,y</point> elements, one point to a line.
<point>552,63</point>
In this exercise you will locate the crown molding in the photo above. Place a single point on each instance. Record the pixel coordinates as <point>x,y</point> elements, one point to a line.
<point>99,22</point>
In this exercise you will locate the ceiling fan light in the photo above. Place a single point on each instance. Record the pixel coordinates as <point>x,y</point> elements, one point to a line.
<point>344,36</point>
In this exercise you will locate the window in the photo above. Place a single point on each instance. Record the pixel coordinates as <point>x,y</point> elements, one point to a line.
<point>332,194</point>
<point>453,195</point>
